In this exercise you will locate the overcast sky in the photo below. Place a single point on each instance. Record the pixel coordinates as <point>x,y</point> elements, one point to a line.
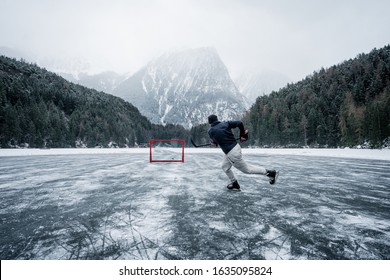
<point>294,38</point>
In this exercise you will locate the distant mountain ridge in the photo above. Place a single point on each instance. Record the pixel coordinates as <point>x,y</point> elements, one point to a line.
<point>184,88</point>
<point>344,105</point>
<point>228,96</point>
<point>41,109</point>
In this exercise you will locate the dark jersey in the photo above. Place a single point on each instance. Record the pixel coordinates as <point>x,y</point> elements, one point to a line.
<point>221,134</point>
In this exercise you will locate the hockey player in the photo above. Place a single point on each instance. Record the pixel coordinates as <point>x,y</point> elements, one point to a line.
<point>221,134</point>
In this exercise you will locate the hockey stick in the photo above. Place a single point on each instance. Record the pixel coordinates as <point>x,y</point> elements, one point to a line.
<point>209,144</point>
<point>201,145</point>
<point>204,145</point>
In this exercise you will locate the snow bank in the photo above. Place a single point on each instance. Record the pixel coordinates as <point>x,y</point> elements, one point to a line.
<point>70,151</point>
<point>340,153</point>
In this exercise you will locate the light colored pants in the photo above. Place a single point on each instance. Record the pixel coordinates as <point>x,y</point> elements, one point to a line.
<point>234,158</point>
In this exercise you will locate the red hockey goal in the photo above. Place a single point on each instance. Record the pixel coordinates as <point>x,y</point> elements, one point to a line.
<point>166,150</point>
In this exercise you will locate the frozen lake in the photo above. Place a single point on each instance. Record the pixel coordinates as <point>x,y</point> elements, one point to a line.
<point>114,204</point>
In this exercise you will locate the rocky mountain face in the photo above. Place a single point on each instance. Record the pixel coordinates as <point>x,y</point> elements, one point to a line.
<point>183,88</point>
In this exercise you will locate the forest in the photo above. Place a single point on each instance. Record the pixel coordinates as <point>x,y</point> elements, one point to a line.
<point>346,105</point>
<point>39,109</point>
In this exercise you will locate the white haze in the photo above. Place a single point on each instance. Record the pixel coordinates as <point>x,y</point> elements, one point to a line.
<point>293,38</point>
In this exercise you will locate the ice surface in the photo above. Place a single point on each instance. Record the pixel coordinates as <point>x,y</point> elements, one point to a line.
<point>114,204</point>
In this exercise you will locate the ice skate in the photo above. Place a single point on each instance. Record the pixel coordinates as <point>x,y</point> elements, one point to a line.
<point>272,175</point>
<point>233,186</point>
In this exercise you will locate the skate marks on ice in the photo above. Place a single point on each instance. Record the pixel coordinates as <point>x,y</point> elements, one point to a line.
<point>339,209</point>
<point>123,207</point>
<point>85,207</point>
<point>64,207</point>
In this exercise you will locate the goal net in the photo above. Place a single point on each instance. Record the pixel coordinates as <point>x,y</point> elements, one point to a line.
<point>167,150</point>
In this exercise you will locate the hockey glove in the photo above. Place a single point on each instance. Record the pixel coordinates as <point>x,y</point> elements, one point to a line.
<point>213,143</point>
<point>244,136</point>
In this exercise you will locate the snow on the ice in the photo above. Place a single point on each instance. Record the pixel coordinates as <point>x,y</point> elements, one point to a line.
<point>114,204</point>
<point>383,154</point>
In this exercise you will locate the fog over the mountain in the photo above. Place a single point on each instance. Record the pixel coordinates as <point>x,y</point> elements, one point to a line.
<point>293,38</point>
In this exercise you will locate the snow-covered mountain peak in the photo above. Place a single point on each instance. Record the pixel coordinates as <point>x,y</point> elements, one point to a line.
<point>184,87</point>
<point>188,70</point>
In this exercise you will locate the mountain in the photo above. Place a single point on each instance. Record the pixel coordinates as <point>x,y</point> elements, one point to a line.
<point>41,109</point>
<point>184,87</point>
<point>253,84</point>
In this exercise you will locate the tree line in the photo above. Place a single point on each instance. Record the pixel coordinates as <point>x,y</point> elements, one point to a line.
<point>347,105</point>
<point>40,109</point>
